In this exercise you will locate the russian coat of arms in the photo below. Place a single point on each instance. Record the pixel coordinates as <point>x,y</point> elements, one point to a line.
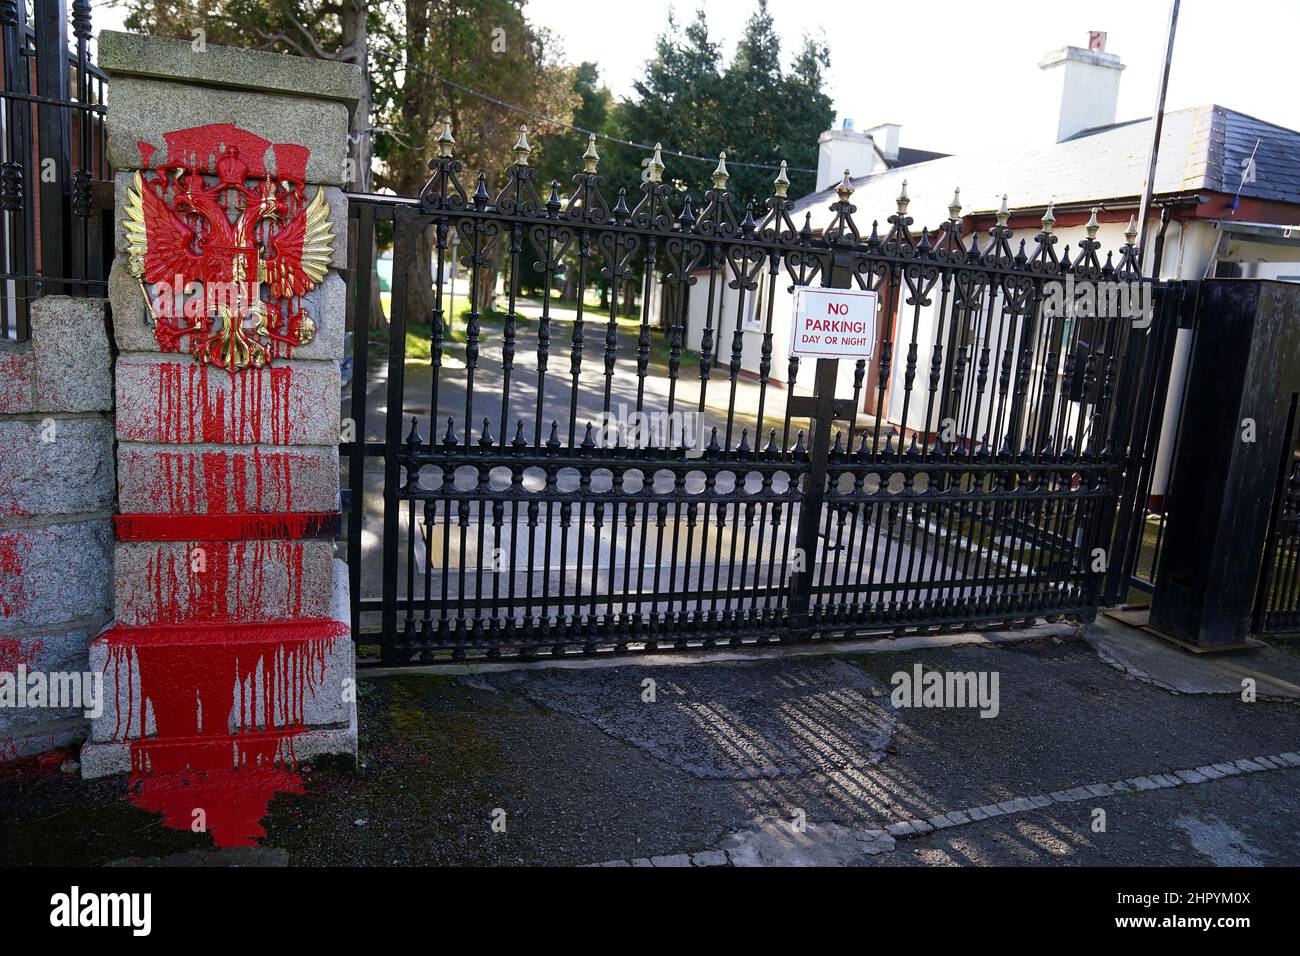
<point>224,250</point>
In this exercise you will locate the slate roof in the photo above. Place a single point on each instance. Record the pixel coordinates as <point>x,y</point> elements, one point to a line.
<point>1201,148</point>
<point>909,157</point>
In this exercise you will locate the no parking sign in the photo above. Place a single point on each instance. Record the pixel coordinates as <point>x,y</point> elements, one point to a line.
<point>833,323</point>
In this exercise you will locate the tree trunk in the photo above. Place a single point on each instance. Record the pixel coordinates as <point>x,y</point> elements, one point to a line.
<point>419,280</point>
<point>486,282</point>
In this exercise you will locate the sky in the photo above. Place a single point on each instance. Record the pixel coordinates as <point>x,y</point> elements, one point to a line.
<point>961,75</point>
<point>964,75</point>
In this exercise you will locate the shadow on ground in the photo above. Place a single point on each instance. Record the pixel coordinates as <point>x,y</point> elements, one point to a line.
<point>586,769</point>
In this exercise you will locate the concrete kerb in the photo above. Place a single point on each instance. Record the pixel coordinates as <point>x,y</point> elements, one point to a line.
<point>772,842</point>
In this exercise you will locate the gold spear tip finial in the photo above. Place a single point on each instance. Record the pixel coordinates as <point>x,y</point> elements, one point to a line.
<point>590,158</point>
<point>845,189</point>
<point>1049,217</point>
<point>522,149</point>
<point>781,184</point>
<point>1004,213</point>
<point>954,207</point>
<point>446,142</point>
<point>1131,233</point>
<point>903,199</point>
<point>1093,225</point>
<point>656,165</point>
<point>720,175</point>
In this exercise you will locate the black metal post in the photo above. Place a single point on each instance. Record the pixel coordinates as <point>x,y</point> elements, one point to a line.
<point>54,165</point>
<point>824,410</point>
<point>1243,372</point>
<point>360,379</point>
<point>1158,122</point>
<point>405,236</point>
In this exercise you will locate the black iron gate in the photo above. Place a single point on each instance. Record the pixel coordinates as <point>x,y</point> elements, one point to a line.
<point>561,474</point>
<point>55,183</point>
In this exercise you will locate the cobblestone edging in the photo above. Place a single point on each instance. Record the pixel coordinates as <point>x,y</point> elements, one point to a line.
<point>832,841</point>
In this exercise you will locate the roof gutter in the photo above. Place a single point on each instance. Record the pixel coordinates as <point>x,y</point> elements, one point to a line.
<point>1186,199</point>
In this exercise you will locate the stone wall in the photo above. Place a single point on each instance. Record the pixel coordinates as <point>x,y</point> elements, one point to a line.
<point>56,502</point>
<point>225,590</point>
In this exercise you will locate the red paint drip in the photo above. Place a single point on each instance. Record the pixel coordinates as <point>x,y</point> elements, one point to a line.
<point>13,596</point>
<point>223,744</point>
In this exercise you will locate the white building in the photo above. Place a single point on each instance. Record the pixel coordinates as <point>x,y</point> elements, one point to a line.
<point>1227,186</point>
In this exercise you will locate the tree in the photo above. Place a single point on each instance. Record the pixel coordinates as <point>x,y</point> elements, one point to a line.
<point>406,50</point>
<point>428,58</point>
<point>750,107</point>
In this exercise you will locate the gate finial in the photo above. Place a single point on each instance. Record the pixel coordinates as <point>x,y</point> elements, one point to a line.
<point>903,200</point>
<point>1049,217</point>
<point>720,175</point>
<point>446,142</point>
<point>1131,233</point>
<point>845,189</point>
<point>522,149</point>
<point>590,158</point>
<point>954,207</point>
<point>781,184</point>
<point>1004,213</point>
<point>1092,225</point>
<point>655,167</point>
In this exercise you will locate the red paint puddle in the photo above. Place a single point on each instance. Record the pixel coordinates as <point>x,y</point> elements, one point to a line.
<point>193,679</point>
<point>233,802</point>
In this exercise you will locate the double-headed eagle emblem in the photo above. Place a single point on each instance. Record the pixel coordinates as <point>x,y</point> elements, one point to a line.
<point>206,246</point>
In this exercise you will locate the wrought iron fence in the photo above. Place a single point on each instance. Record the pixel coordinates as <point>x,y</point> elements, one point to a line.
<point>971,482</point>
<point>55,192</point>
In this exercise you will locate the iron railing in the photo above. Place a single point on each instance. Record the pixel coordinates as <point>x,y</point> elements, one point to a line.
<point>55,195</point>
<point>972,482</point>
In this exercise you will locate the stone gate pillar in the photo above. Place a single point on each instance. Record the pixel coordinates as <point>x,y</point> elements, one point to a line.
<point>230,650</point>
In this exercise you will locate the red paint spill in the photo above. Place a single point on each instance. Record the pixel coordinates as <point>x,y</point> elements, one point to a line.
<point>13,595</point>
<point>226,527</point>
<point>231,589</point>
<point>14,652</point>
<point>192,406</point>
<point>202,145</point>
<point>176,483</point>
<point>224,741</point>
<point>234,801</point>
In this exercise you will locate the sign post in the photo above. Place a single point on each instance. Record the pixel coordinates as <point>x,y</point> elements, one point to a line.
<point>830,323</point>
